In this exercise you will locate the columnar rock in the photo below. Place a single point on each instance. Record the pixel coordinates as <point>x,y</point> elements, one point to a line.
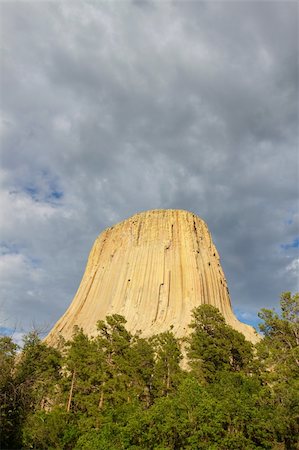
<point>153,269</point>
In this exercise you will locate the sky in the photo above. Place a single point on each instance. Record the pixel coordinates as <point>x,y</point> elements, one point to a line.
<point>109,108</point>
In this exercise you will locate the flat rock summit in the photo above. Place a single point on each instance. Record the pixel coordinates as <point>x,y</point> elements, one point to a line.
<point>153,269</point>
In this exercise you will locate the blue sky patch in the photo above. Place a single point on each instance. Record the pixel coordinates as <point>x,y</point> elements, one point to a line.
<point>294,244</point>
<point>6,331</point>
<point>249,318</point>
<point>56,194</point>
<point>31,191</point>
<point>44,188</point>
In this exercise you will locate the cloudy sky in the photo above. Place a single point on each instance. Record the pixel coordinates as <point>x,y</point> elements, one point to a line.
<point>109,108</point>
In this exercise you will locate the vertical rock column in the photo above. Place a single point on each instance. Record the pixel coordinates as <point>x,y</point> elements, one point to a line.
<point>153,268</point>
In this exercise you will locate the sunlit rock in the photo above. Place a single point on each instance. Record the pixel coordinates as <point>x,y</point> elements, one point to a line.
<point>153,268</point>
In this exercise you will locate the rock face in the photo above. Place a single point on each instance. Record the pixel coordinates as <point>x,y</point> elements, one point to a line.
<point>153,268</point>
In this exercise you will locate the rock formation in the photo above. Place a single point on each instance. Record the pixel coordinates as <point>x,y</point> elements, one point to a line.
<point>153,268</point>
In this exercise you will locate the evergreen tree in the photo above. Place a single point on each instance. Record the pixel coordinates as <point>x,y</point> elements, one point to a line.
<point>214,346</point>
<point>278,355</point>
<point>9,395</point>
<point>115,343</point>
<point>281,335</point>
<point>83,373</point>
<point>37,372</point>
<point>119,391</point>
<point>143,364</point>
<point>167,370</point>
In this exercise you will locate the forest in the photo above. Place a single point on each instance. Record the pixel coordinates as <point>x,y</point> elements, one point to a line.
<point>213,390</point>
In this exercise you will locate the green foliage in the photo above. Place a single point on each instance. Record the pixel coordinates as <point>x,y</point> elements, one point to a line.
<point>167,370</point>
<point>280,346</point>
<point>82,368</point>
<point>9,404</point>
<point>28,382</point>
<point>214,346</point>
<point>229,414</point>
<point>36,374</point>
<point>278,355</point>
<point>119,391</point>
<point>50,430</point>
<point>115,343</point>
<point>141,378</point>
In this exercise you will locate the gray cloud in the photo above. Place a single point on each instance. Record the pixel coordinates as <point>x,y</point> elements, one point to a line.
<point>110,108</point>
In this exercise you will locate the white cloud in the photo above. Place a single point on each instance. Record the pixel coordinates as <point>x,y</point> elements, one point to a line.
<point>293,268</point>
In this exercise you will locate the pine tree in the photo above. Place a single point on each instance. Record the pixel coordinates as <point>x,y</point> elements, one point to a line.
<point>214,346</point>
<point>143,364</point>
<point>167,369</point>
<point>115,344</point>
<point>9,395</point>
<point>278,355</point>
<point>83,373</point>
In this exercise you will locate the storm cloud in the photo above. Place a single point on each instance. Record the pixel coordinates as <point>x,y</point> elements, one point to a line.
<point>111,108</point>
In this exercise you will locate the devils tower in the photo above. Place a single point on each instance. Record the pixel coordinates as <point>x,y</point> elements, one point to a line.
<point>153,269</point>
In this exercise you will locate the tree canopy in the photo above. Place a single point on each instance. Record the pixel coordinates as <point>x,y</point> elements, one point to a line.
<point>214,390</point>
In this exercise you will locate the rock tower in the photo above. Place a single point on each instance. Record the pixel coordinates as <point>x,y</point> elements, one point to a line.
<point>153,269</point>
